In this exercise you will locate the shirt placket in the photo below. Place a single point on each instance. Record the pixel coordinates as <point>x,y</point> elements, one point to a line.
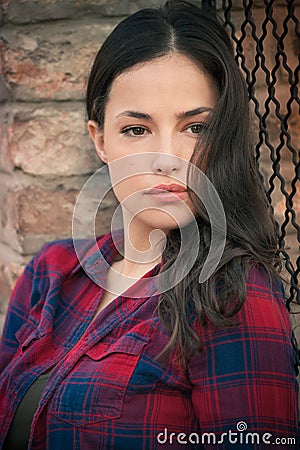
<point>96,332</point>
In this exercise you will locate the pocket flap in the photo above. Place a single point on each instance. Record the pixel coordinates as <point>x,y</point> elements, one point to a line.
<point>24,331</point>
<point>126,344</point>
<point>27,333</point>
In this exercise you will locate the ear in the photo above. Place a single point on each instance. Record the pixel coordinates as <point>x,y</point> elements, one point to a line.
<point>98,139</point>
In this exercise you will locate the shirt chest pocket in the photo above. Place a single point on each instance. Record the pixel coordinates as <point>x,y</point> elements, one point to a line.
<point>94,390</point>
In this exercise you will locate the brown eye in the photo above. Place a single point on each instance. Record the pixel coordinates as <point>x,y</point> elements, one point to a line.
<point>134,131</point>
<point>138,131</point>
<point>197,128</point>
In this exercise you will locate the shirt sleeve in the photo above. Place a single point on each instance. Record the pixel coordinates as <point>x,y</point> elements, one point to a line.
<point>23,298</point>
<point>244,381</point>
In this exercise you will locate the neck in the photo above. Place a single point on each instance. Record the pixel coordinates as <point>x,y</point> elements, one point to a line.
<point>143,248</point>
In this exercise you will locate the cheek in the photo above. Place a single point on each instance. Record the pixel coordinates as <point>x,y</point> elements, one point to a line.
<point>127,188</point>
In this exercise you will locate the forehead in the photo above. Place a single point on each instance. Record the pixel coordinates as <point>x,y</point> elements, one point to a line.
<point>170,79</point>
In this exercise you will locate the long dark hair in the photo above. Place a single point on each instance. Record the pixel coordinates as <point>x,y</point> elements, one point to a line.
<point>226,157</point>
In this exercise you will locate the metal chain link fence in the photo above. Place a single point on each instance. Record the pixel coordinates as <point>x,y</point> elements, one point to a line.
<point>258,31</point>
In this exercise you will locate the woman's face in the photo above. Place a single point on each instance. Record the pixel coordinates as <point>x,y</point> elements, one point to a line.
<point>153,116</point>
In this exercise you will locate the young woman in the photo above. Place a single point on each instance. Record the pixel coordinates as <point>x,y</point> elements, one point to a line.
<point>126,348</point>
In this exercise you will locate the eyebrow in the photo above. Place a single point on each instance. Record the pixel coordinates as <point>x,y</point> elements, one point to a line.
<point>194,112</point>
<point>182,115</point>
<point>136,114</point>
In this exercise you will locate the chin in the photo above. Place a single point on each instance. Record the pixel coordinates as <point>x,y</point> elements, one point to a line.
<point>164,221</point>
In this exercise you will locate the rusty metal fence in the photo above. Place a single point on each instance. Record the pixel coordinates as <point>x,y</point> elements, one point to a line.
<point>261,32</point>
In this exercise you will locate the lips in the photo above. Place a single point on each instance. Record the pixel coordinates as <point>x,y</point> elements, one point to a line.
<point>167,193</point>
<point>163,188</point>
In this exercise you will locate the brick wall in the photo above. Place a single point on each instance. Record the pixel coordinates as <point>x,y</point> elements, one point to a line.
<point>46,50</point>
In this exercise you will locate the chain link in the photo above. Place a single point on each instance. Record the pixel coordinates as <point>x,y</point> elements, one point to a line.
<point>263,111</point>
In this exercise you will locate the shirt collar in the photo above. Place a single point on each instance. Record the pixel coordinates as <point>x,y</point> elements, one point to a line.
<point>96,256</point>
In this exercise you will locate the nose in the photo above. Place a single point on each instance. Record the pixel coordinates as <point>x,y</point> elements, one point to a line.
<point>166,164</point>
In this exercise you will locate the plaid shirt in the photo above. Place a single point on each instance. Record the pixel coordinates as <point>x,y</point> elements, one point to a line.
<point>107,392</point>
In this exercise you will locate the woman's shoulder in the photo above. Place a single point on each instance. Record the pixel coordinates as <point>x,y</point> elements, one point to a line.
<point>262,282</point>
<point>265,303</point>
<point>64,255</point>
<point>263,310</point>
<point>265,298</point>
<point>58,255</point>
<point>260,329</point>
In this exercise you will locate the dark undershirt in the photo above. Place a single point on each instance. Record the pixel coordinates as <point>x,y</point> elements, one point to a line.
<point>19,431</point>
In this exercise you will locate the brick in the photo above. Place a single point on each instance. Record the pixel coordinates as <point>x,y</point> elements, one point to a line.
<point>52,140</point>
<point>5,293</point>
<point>8,277</point>
<point>37,215</point>
<point>29,11</point>
<point>3,10</point>
<point>6,163</point>
<point>9,274</point>
<point>115,8</point>
<point>33,211</point>
<point>35,218</point>
<point>12,272</point>
<point>51,62</point>
<point>11,267</point>
<point>43,212</point>
<point>43,62</point>
<point>2,315</point>
<point>4,91</point>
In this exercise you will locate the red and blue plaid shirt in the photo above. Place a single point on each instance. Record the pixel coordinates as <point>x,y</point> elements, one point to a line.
<point>106,391</point>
